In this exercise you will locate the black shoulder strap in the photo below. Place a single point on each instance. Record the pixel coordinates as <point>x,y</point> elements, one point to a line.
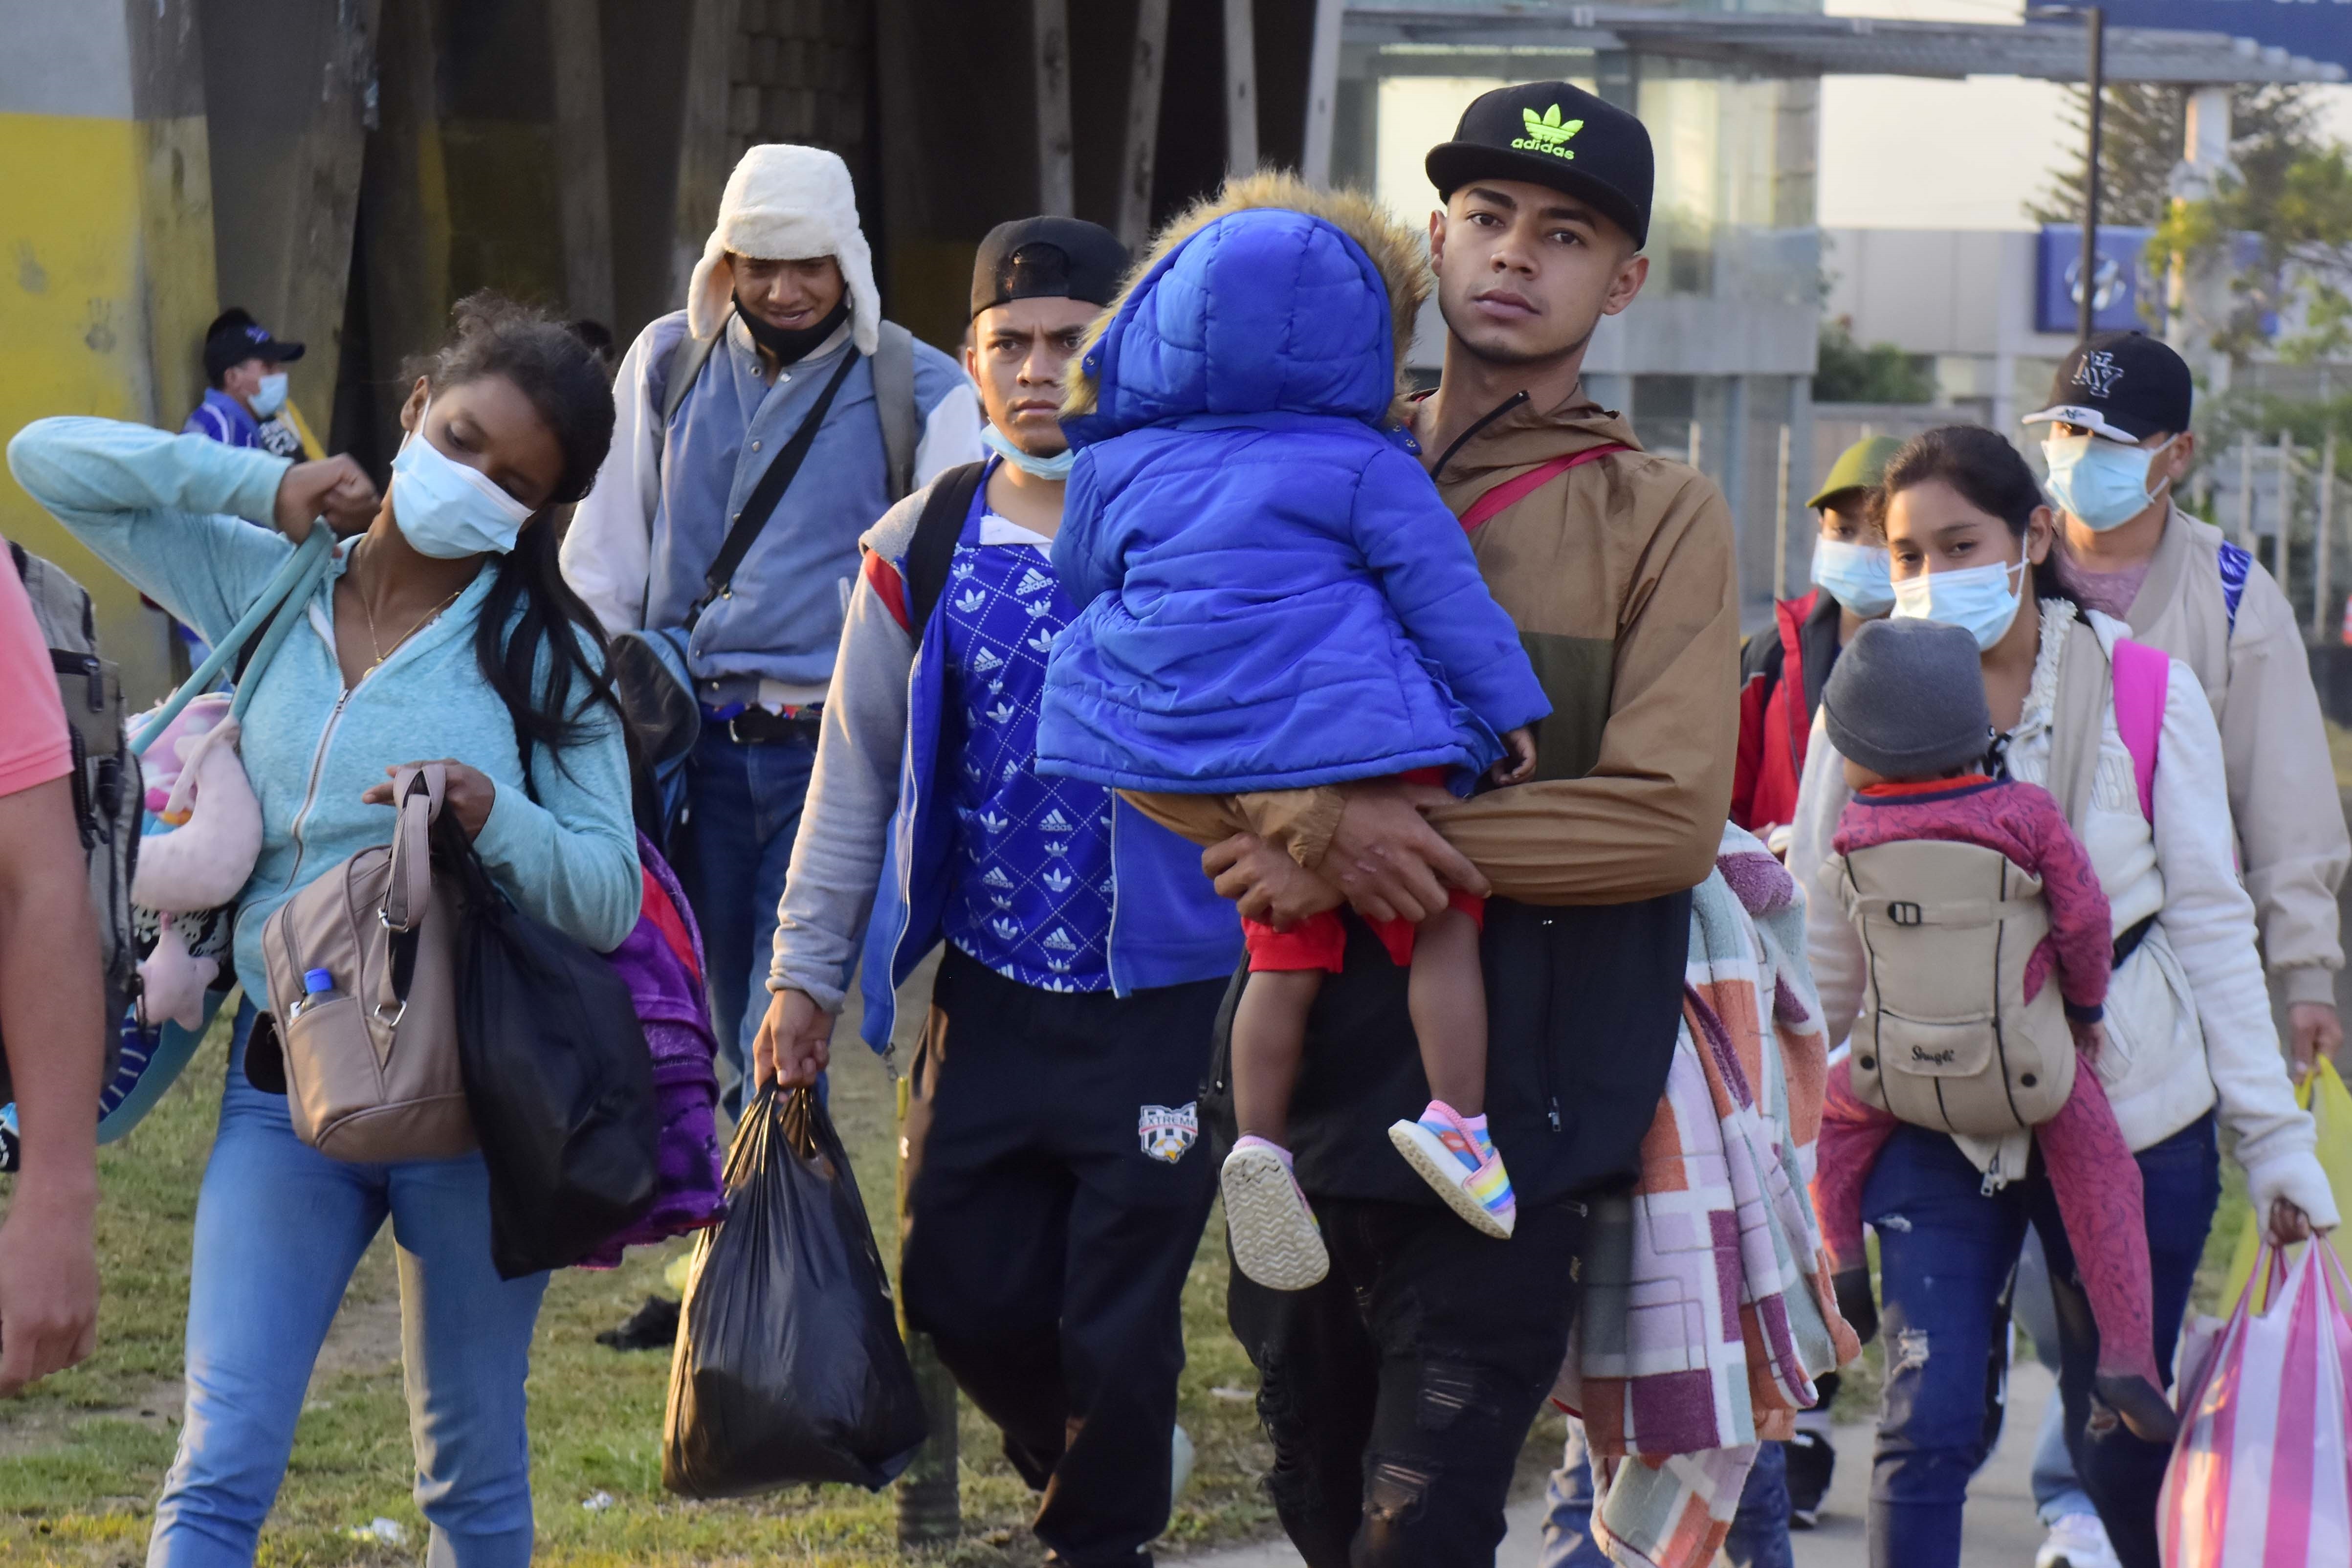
<point>932,550</point>
<point>765,496</point>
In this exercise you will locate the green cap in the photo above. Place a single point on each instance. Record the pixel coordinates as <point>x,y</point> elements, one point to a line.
<point>1859,467</point>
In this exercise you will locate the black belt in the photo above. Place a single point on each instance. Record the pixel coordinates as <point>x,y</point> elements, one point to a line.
<point>755,726</point>
<point>2129,943</point>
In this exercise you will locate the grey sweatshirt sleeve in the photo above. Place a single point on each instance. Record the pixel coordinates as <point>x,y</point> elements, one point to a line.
<point>854,793</point>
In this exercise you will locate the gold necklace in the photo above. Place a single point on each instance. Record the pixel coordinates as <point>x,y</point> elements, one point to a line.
<point>367,613</point>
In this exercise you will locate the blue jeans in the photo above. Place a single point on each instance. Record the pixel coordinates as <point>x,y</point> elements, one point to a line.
<point>279,1228</point>
<point>1946,1251</point>
<point>744,812</point>
<point>2056,1492</point>
<point>1760,1530</point>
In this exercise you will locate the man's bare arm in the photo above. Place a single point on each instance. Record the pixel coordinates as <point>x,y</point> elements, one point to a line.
<point>52,1018</point>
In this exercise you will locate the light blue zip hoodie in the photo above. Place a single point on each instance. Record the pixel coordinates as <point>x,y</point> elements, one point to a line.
<point>163,510</point>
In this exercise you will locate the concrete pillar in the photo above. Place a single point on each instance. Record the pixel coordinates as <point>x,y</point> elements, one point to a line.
<point>106,235</point>
<point>2199,292</point>
<point>707,149</point>
<point>1322,91</point>
<point>293,98</point>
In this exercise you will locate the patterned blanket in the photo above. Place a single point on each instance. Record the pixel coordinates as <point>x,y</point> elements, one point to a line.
<point>1706,1308</point>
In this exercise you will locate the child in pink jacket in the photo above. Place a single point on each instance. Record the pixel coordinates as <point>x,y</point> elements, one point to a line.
<point>1905,708</point>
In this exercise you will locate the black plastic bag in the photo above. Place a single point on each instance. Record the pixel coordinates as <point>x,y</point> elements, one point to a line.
<point>558,1078</point>
<point>789,1365</point>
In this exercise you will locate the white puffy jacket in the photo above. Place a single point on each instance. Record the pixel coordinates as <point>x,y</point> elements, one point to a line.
<point>2188,1015</point>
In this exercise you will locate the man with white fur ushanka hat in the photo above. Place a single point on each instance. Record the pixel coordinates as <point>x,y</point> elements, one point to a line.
<point>780,365</point>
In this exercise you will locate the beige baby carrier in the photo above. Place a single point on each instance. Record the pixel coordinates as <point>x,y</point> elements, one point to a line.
<point>1946,1038</point>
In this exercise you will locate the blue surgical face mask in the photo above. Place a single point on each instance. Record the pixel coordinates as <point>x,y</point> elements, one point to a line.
<point>1855,575</point>
<point>2099,483</point>
<point>447,509</point>
<point>1982,600</point>
<point>1056,467</point>
<point>270,395</point>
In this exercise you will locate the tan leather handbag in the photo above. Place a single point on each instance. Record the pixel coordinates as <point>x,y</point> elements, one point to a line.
<point>370,1038</point>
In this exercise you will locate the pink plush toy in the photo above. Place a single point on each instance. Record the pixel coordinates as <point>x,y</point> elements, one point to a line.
<point>196,786</point>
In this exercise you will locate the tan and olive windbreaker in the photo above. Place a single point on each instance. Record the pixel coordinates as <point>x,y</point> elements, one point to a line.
<point>1620,576</point>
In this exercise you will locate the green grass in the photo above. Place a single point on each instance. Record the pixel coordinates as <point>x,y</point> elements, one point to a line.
<point>82,1455</point>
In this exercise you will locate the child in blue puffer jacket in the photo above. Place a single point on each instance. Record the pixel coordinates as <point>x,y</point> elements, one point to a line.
<point>1272,596</point>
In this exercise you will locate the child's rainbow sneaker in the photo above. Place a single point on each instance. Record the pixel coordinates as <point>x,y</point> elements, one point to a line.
<point>1276,1240</point>
<point>1461,1163</point>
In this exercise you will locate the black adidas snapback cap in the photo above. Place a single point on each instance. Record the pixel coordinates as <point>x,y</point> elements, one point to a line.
<point>1550,133</point>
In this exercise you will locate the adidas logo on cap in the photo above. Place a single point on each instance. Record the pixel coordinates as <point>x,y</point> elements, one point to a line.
<point>1548,133</point>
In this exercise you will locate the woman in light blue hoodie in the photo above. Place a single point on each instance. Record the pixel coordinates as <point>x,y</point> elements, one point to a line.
<point>444,631</point>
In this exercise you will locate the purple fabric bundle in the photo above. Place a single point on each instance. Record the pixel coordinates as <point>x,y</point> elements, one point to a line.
<point>670,1004</point>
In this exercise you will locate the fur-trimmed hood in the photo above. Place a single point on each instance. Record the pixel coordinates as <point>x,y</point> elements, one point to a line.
<point>1270,296</point>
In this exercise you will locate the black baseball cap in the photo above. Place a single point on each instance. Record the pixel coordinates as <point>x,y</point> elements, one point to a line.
<point>236,337</point>
<point>1047,258</point>
<point>1550,133</point>
<point>2125,386</point>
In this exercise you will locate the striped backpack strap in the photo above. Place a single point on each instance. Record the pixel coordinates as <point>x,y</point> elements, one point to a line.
<point>1509,491</point>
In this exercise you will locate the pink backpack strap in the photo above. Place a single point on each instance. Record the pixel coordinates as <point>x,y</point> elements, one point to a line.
<point>1535,479</point>
<point>2142,674</point>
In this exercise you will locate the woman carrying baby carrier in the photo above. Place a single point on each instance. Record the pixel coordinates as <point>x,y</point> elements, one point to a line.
<point>441,630</point>
<point>2188,1037</point>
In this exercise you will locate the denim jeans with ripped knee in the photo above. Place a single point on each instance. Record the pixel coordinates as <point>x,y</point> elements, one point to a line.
<point>1947,1248</point>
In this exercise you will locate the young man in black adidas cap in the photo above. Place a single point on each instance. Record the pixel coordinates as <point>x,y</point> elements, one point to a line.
<point>1053,1196</point>
<point>1399,1391</point>
<point>2117,444</point>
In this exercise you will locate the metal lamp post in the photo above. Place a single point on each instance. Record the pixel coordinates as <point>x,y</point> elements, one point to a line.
<point>2087,267</point>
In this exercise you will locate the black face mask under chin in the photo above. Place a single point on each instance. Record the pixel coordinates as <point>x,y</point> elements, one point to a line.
<point>792,345</point>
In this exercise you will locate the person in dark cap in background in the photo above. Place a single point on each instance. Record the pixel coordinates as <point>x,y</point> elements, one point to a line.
<point>2117,443</point>
<point>246,397</point>
<point>1782,669</point>
<point>1399,1391</point>
<point>1054,1196</point>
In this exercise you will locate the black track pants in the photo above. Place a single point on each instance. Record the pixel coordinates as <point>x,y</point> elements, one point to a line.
<point>1047,1244</point>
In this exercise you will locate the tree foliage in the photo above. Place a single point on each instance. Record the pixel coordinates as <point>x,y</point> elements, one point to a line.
<point>1882,373</point>
<point>2141,139</point>
<point>2297,277</point>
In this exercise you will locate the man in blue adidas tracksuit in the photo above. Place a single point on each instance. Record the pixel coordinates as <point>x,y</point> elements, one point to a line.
<point>781,364</point>
<point>1056,1195</point>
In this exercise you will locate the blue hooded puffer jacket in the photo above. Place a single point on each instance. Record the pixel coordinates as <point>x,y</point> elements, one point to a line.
<point>1272,595</point>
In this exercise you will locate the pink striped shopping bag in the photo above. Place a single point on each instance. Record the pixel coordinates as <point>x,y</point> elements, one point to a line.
<point>2261,1477</point>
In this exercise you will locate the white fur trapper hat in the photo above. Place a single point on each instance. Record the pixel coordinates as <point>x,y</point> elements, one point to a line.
<point>783,204</point>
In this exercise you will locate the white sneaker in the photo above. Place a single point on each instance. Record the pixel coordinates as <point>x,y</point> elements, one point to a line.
<point>2077,1541</point>
<point>1275,1239</point>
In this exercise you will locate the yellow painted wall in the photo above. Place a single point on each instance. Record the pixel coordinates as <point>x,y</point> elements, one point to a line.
<point>106,284</point>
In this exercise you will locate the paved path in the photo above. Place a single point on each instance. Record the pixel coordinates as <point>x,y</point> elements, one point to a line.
<point>2001,1530</point>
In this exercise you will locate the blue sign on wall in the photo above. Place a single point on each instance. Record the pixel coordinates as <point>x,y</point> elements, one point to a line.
<point>2321,29</point>
<point>2115,296</point>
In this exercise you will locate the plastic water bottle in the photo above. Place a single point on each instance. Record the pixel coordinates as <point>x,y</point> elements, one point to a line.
<point>317,987</point>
